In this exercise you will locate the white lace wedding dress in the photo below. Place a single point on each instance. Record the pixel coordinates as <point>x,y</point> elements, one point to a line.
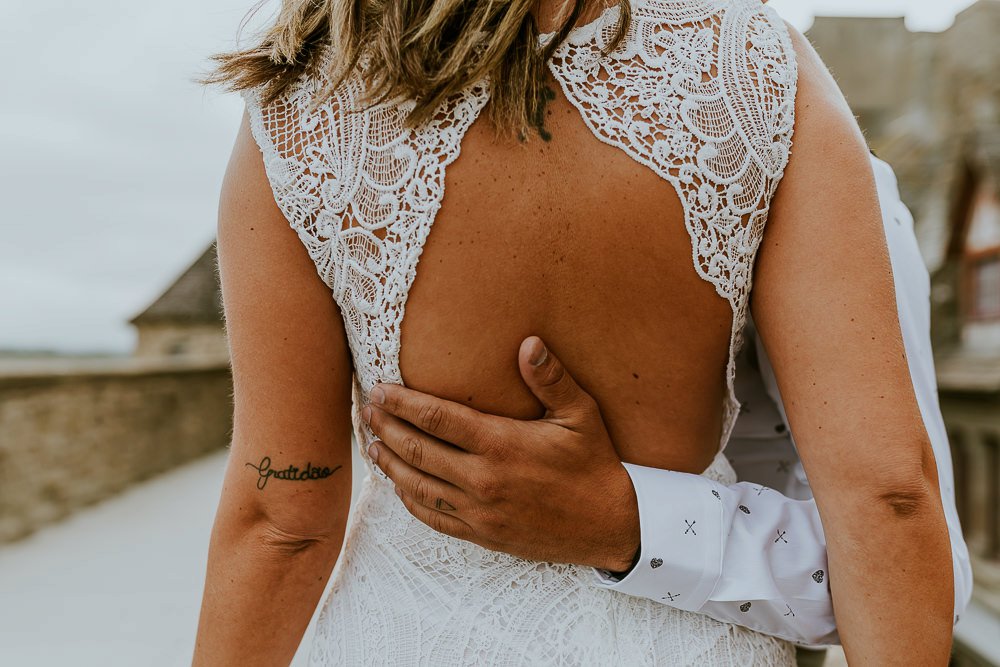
<point>701,92</point>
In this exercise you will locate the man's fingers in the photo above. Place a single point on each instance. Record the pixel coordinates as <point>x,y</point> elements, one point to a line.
<point>452,422</point>
<point>442,522</point>
<point>418,449</point>
<point>421,487</point>
<point>551,383</point>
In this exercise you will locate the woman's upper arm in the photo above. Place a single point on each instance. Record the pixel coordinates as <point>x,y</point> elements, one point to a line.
<point>824,305</point>
<point>290,460</point>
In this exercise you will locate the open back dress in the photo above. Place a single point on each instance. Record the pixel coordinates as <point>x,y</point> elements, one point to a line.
<point>702,93</point>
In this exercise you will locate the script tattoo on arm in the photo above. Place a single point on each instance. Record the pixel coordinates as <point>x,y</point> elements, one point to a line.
<point>291,473</point>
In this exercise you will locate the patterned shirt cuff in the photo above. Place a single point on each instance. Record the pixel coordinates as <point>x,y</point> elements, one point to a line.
<point>681,519</point>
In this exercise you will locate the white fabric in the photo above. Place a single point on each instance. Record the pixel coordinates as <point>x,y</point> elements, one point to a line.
<point>764,562</point>
<point>701,92</point>
<point>406,595</point>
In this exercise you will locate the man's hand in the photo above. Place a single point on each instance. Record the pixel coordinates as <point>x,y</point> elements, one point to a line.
<point>551,490</point>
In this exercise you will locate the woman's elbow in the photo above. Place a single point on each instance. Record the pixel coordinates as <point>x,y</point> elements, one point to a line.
<point>907,494</point>
<point>273,539</point>
<point>904,487</point>
<point>907,500</point>
<point>283,530</point>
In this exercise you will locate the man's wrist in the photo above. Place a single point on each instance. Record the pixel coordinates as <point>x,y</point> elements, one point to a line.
<point>621,574</point>
<point>627,545</point>
<point>682,520</point>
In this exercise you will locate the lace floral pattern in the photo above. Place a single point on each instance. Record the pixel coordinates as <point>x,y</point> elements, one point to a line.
<point>410,596</point>
<point>362,192</point>
<point>702,93</point>
<point>712,113</point>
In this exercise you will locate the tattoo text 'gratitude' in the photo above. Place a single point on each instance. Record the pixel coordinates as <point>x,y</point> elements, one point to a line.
<point>290,473</point>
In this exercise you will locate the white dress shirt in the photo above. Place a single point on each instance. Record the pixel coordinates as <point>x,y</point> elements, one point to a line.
<point>765,565</point>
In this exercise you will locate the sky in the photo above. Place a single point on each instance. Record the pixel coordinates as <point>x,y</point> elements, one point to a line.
<point>111,156</point>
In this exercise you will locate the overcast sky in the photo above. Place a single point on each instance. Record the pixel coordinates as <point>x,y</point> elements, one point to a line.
<point>111,157</point>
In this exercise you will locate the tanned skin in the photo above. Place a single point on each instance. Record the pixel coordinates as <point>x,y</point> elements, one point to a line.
<point>824,305</point>
<point>605,278</point>
<point>287,489</point>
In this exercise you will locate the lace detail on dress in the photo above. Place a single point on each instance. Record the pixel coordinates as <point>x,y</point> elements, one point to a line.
<point>362,191</point>
<point>406,595</point>
<point>706,100</point>
<point>702,93</point>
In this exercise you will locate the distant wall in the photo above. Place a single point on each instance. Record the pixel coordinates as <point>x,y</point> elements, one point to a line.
<point>170,340</point>
<point>74,432</point>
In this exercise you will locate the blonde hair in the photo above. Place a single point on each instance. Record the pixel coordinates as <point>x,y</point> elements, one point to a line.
<point>420,50</point>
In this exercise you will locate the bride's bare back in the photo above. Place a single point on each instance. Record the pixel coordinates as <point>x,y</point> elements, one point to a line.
<point>627,240</point>
<point>574,241</point>
<point>628,243</point>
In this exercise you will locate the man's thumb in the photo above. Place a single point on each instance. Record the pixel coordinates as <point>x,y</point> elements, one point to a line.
<point>549,380</point>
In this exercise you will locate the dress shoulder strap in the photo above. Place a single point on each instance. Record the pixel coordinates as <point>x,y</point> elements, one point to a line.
<point>703,93</point>
<point>361,189</point>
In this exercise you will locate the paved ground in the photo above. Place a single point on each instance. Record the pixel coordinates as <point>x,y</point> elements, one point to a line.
<point>118,584</point>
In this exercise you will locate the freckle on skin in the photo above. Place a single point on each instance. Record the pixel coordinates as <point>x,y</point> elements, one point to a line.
<point>636,376</point>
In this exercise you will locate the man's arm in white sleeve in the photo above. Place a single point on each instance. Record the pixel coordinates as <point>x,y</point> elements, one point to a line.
<point>763,565</point>
<point>759,562</point>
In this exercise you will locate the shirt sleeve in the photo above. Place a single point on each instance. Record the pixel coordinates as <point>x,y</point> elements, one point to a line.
<point>743,554</point>
<point>759,559</point>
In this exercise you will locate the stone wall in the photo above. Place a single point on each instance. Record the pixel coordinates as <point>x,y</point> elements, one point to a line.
<point>75,431</point>
<point>167,339</point>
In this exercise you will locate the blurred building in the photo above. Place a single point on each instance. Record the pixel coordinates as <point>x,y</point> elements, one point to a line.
<point>930,105</point>
<point>75,430</point>
<point>187,318</point>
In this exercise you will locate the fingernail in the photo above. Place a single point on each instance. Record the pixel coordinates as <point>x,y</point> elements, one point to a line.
<point>366,414</point>
<point>373,452</point>
<point>378,396</point>
<point>399,492</point>
<point>540,356</point>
